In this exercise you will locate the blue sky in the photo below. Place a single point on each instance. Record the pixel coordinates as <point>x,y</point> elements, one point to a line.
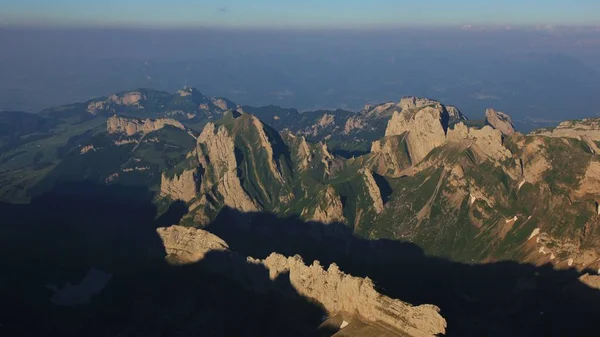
<point>300,13</point>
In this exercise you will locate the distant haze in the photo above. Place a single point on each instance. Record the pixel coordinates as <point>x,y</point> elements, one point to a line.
<point>540,74</point>
<point>299,14</point>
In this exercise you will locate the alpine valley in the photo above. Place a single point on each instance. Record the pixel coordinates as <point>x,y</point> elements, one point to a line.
<point>148,213</point>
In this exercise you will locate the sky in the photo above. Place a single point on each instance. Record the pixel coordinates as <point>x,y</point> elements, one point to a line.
<point>297,13</point>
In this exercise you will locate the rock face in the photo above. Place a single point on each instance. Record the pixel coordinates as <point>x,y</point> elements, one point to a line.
<point>590,184</point>
<point>329,208</point>
<point>412,102</point>
<point>335,290</point>
<point>216,154</point>
<point>127,99</point>
<point>390,155</point>
<point>132,126</point>
<point>373,191</point>
<point>266,144</point>
<point>486,142</point>
<point>182,187</point>
<point>189,244</point>
<point>87,149</point>
<point>587,130</point>
<point>425,128</point>
<point>499,121</point>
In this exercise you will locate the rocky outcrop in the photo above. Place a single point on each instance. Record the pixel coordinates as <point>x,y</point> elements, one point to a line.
<point>328,208</point>
<point>373,190</point>
<point>589,127</point>
<point>486,142</point>
<point>132,126</point>
<point>335,290</point>
<point>389,156</point>
<point>425,128</point>
<point>354,123</point>
<point>266,144</point>
<point>533,160</point>
<point>326,121</point>
<point>325,156</point>
<point>384,110</point>
<point>304,155</point>
<point>127,99</point>
<point>220,103</point>
<point>412,102</point>
<point>182,186</point>
<point>590,184</point>
<point>216,154</point>
<point>188,244</point>
<point>87,149</point>
<point>499,121</point>
<point>300,149</point>
<point>588,130</point>
<point>455,114</point>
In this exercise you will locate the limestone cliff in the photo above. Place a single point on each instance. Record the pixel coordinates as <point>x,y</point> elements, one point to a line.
<point>182,186</point>
<point>188,244</point>
<point>127,99</point>
<point>588,130</point>
<point>499,121</point>
<point>589,127</point>
<point>266,145</point>
<point>216,155</point>
<point>412,102</point>
<point>131,126</point>
<point>486,142</point>
<point>390,156</point>
<point>335,290</point>
<point>327,209</point>
<point>425,128</point>
<point>373,190</point>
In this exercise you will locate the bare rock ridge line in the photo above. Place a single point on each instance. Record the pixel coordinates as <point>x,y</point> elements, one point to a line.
<point>425,122</point>
<point>494,179</point>
<point>499,121</point>
<point>335,290</point>
<point>424,125</point>
<point>329,208</point>
<point>133,126</point>
<point>182,186</point>
<point>373,190</point>
<point>216,154</point>
<point>127,99</point>
<point>588,127</point>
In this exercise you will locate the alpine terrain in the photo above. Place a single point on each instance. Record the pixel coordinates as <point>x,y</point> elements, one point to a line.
<point>177,214</point>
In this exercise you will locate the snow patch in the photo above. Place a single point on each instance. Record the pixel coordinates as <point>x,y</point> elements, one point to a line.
<point>344,324</point>
<point>570,262</point>
<point>472,199</point>
<point>534,233</point>
<point>513,219</point>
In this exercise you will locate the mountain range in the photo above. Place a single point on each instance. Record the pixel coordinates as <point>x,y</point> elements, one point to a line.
<point>411,185</point>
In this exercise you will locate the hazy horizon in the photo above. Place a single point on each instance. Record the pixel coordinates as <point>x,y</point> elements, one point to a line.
<point>544,73</point>
<point>299,14</point>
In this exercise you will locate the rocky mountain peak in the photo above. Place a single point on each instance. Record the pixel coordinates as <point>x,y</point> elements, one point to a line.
<point>424,127</point>
<point>413,102</point>
<point>131,126</point>
<point>132,98</point>
<point>499,121</point>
